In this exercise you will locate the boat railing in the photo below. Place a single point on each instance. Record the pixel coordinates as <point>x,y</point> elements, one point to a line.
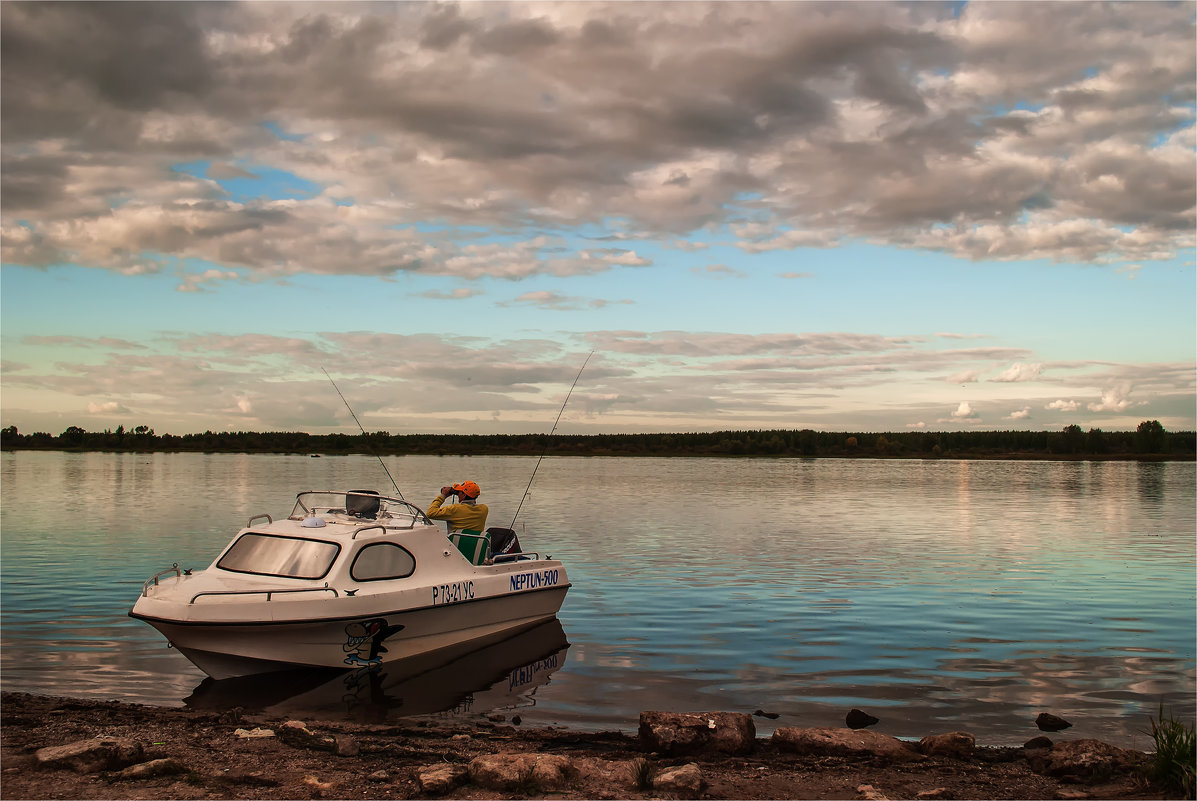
<point>523,556</point>
<point>411,523</point>
<point>386,507</point>
<point>357,531</point>
<point>269,519</point>
<point>145,588</point>
<point>267,593</point>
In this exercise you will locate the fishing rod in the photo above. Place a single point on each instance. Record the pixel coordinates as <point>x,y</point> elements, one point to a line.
<point>359,425</point>
<point>546,445</point>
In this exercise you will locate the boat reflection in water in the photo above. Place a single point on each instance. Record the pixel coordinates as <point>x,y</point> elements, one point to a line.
<point>464,680</point>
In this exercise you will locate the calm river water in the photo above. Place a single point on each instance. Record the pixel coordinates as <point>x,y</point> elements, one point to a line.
<point>937,595</point>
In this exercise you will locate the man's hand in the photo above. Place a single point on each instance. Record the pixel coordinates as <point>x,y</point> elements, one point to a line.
<point>446,492</point>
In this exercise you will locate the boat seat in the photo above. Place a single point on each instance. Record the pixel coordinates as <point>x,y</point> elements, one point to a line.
<point>474,545</point>
<point>358,505</point>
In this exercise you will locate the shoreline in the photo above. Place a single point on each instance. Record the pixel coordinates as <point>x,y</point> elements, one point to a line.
<point>1001,456</point>
<point>183,753</point>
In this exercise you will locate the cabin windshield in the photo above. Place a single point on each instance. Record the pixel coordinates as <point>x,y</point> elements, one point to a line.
<point>271,555</point>
<point>365,505</point>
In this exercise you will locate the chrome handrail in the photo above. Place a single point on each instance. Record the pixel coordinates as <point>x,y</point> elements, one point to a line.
<point>408,527</point>
<point>267,593</point>
<point>145,588</point>
<point>532,556</point>
<point>357,531</point>
<point>269,519</point>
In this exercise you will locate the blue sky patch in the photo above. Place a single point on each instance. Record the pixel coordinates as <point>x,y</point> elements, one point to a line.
<point>253,182</point>
<point>278,131</point>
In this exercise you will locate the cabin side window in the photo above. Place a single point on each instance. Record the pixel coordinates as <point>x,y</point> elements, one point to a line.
<point>288,557</point>
<point>382,560</point>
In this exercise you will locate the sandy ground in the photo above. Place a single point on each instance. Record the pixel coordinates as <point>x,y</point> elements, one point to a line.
<point>216,763</point>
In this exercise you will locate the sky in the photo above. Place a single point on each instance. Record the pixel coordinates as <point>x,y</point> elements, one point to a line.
<point>841,216</point>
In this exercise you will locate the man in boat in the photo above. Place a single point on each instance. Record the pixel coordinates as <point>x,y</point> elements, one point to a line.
<point>467,514</point>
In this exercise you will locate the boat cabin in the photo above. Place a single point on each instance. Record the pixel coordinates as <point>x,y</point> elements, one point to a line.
<point>384,538</point>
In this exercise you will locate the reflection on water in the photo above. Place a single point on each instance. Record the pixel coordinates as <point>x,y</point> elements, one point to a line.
<point>502,675</point>
<point>938,594</point>
<point>1151,483</point>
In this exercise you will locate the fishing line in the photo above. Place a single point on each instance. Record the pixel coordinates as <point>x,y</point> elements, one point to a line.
<point>364,435</point>
<point>546,445</point>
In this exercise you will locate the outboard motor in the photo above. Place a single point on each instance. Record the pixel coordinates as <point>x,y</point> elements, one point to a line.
<point>503,540</point>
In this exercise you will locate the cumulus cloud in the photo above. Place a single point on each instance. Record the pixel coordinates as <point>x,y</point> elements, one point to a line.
<point>964,411</point>
<point>1021,414</point>
<point>965,377</point>
<point>108,407</point>
<point>1020,372</point>
<point>461,139</point>
<point>195,282</point>
<point>1063,406</point>
<point>1114,399</point>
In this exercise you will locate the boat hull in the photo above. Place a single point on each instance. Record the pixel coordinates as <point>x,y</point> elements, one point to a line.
<point>242,648</point>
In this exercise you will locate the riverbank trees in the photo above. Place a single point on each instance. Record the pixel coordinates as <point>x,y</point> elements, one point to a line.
<point>1148,441</point>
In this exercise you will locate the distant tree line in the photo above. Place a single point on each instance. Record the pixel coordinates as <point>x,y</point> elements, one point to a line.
<point>1149,440</point>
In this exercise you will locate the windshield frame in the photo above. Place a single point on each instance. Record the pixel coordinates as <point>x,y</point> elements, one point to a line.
<point>398,513</point>
<point>264,535</point>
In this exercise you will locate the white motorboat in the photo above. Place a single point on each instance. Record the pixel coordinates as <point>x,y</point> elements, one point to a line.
<point>347,580</point>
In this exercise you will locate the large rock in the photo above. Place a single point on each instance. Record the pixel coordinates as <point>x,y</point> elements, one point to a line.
<point>521,771</point>
<point>296,733</point>
<point>92,756</point>
<point>1082,760</point>
<point>959,744</point>
<point>1048,722</point>
<point>442,778</point>
<point>859,719</point>
<point>253,734</point>
<point>708,732</point>
<point>686,781</point>
<point>319,789</point>
<point>844,742</point>
<point>152,769</point>
<point>345,745</point>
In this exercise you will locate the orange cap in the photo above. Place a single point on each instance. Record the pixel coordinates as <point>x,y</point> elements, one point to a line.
<point>468,488</point>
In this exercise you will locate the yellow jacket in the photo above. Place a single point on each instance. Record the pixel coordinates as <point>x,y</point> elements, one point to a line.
<point>460,516</point>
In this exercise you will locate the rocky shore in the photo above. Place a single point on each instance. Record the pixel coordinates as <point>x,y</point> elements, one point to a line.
<point>69,748</point>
